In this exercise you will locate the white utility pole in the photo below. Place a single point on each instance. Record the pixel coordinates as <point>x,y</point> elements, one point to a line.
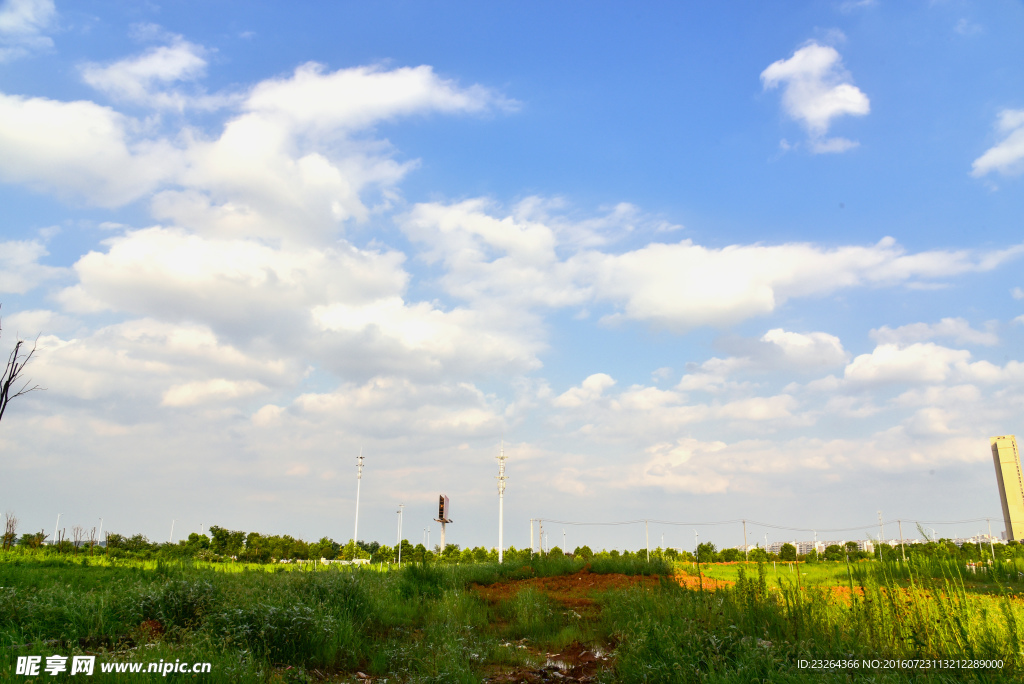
<point>400,507</point>
<point>990,547</point>
<point>501,505</point>
<point>647,539</point>
<point>170,540</point>
<point>881,533</point>
<point>359,482</point>
<point>903,550</point>
<point>100,536</point>
<point>531,537</point>
<point>55,527</point>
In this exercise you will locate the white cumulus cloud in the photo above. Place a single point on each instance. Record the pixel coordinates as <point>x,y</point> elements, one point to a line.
<point>144,79</point>
<point>20,270</point>
<point>22,23</point>
<point>216,389</point>
<point>956,329</point>
<point>1007,156</point>
<point>816,89</point>
<point>807,349</point>
<point>920,362</point>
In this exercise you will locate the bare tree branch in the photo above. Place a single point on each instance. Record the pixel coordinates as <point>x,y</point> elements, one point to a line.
<point>10,529</point>
<point>16,363</point>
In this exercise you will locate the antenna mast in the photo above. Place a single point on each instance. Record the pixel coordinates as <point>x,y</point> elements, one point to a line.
<point>359,482</point>
<point>501,503</point>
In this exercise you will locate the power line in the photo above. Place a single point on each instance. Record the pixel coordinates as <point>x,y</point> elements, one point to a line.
<point>772,526</point>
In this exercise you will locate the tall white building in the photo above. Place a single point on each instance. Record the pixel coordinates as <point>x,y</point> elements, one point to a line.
<point>1011,484</point>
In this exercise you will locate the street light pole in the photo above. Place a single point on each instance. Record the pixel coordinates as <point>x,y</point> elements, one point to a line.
<point>696,553</point>
<point>400,507</point>
<point>501,506</point>
<point>359,483</point>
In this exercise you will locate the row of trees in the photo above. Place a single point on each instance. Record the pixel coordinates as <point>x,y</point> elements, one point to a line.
<point>943,549</point>
<point>223,544</point>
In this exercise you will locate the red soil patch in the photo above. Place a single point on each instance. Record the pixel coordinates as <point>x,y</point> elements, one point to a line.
<point>576,591</point>
<point>572,591</point>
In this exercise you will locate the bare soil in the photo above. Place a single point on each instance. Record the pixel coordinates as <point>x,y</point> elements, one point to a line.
<point>578,662</point>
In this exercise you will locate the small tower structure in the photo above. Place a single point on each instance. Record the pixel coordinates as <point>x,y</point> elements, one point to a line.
<point>359,482</point>
<point>443,510</point>
<point>501,503</point>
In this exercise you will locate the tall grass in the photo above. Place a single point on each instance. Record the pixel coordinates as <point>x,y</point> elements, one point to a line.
<point>755,631</point>
<point>419,623</point>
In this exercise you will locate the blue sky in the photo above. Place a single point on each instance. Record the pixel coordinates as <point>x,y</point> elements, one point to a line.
<point>691,263</point>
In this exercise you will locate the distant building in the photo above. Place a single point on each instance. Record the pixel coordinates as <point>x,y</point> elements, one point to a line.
<point>1011,484</point>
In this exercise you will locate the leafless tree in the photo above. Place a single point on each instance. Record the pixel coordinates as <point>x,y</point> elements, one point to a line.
<point>77,535</point>
<point>92,539</point>
<point>16,362</point>
<point>10,529</point>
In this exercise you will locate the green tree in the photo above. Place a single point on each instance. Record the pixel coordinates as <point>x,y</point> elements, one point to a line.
<point>197,542</point>
<point>384,554</point>
<point>787,552</point>
<point>137,543</point>
<point>707,552</point>
<point>450,554</point>
<point>325,548</point>
<point>583,552</point>
<point>369,547</point>
<point>731,555</point>
<point>32,540</point>
<point>226,542</point>
<point>835,552</point>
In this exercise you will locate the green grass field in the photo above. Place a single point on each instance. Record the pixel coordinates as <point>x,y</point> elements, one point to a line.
<point>426,623</point>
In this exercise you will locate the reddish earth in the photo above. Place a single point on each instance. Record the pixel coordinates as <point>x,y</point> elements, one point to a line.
<point>576,591</point>
<point>572,591</point>
<point>576,663</point>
